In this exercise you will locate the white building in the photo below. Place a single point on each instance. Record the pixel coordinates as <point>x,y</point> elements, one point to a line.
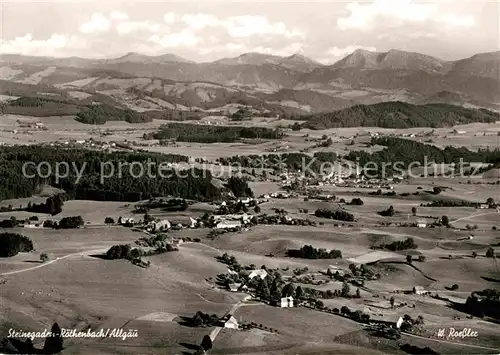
<point>259,272</point>
<point>399,322</point>
<point>165,224</point>
<point>231,323</point>
<point>419,290</point>
<point>286,302</point>
<point>228,224</point>
<point>421,224</point>
<point>235,286</point>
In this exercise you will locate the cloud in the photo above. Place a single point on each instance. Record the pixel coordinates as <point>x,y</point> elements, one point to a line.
<point>398,12</point>
<point>342,52</point>
<point>247,26</point>
<point>98,23</point>
<point>169,18</point>
<point>241,26</point>
<point>26,45</point>
<point>179,39</point>
<point>128,27</point>
<point>118,15</point>
<point>200,21</point>
<point>284,51</point>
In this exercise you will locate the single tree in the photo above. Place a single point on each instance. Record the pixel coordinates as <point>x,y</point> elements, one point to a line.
<point>299,293</point>
<point>445,221</point>
<point>206,343</point>
<point>53,342</point>
<point>392,301</point>
<point>414,211</point>
<point>346,290</point>
<point>408,259</point>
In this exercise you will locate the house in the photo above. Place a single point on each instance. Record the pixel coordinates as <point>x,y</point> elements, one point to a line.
<point>228,224</point>
<point>235,286</point>
<point>128,221</point>
<point>230,322</point>
<point>484,206</point>
<point>422,225</point>
<point>286,302</point>
<point>419,290</point>
<point>165,224</point>
<point>193,222</point>
<point>245,201</point>
<point>258,272</point>
<point>399,323</point>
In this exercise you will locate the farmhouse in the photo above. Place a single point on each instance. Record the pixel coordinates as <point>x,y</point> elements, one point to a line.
<point>258,273</point>
<point>419,290</point>
<point>421,224</point>
<point>164,224</point>
<point>230,322</point>
<point>235,286</point>
<point>228,224</point>
<point>286,302</point>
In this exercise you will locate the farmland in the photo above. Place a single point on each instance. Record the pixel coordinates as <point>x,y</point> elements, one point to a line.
<point>77,287</point>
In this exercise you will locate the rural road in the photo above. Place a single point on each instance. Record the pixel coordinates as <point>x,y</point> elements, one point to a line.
<point>453,343</point>
<point>53,261</point>
<point>474,215</point>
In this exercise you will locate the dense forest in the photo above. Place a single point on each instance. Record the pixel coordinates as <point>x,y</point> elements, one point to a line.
<point>185,132</point>
<point>100,114</point>
<point>11,244</point>
<point>407,151</point>
<point>399,115</point>
<point>129,186</point>
<point>309,252</point>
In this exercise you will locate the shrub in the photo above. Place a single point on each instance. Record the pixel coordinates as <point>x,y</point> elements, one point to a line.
<point>44,257</point>
<point>109,220</point>
<point>71,222</point>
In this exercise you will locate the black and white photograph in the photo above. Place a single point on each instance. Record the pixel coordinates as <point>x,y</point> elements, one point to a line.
<point>246,177</point>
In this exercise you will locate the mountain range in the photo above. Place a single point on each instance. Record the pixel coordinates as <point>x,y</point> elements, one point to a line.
<point>288,86</point>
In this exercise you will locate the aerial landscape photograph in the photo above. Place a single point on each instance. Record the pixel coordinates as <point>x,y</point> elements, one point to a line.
<point>250,177</point>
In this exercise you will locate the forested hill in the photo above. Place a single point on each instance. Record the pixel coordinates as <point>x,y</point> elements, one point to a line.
<point>400,115</point>
<point>104,176</point>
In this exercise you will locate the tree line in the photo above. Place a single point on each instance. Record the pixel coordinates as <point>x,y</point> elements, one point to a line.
<point>399,115</point>
<point>193,184</point>
<point>339,215</point>
<point>408,151</point>
<point>309,252</point>
<point>184,132</point>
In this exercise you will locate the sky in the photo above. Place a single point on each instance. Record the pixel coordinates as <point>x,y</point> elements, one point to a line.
<point>208,30</point>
